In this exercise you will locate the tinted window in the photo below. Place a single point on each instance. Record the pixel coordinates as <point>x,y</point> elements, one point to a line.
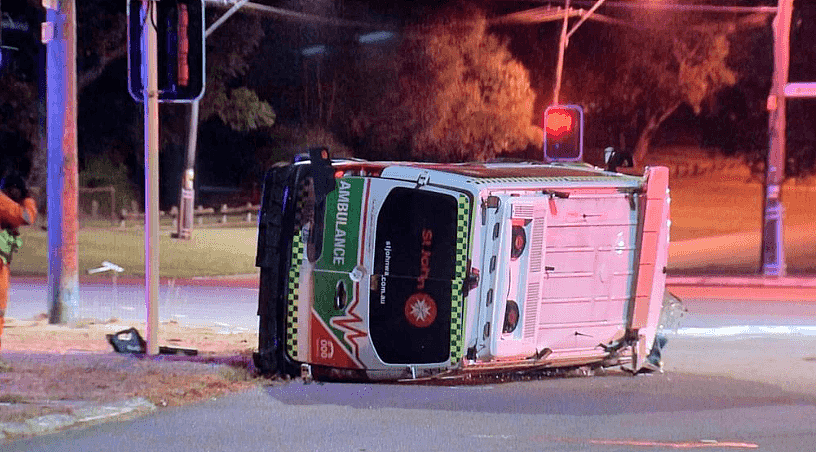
<point>410,304</point>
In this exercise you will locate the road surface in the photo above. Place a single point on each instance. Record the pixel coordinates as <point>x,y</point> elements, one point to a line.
<point>740,375</point>
<point>233,303</point>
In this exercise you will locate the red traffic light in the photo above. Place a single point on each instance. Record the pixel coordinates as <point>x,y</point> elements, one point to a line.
<point>183,53</point>
<point>558,122</point>
<point>180,61</point>
<point>563,133</point>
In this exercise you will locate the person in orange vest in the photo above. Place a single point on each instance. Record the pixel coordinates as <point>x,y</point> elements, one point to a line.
<point>16,209</point>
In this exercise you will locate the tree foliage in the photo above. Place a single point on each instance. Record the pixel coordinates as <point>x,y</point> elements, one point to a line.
<point>459,95</point>
<point>241,109</point>
<point>18,116</point>
<point>19,106</point>
<point>101,38</point>
<point>229,50</point>
<point>654,72</point>
<point>736,123</point>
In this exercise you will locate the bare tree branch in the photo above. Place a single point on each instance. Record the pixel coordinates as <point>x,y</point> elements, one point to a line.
<point>87,77</point>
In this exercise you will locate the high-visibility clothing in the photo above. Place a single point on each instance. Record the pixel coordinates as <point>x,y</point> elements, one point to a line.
<point>12,216</point>
<point>10,242</point>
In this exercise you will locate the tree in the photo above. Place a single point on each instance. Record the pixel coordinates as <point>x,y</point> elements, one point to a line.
<point>227,96</point>
<point>459,95</point>
<point>19,107</point>
<point>19,123</point>
<point>101,38</point>
<point>655,71</point>
<point>737,121</point>
<point>229,50</point>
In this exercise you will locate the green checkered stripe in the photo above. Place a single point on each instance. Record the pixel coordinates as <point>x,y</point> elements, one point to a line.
<point>293,293</point>
<point>457,344</point>
<point>302,197</point>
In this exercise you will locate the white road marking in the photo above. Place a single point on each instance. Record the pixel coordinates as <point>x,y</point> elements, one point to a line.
<point>747,330</point>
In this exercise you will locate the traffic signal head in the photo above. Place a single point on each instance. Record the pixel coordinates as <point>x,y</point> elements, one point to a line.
<point>180,32</point>
<point>563,133</point>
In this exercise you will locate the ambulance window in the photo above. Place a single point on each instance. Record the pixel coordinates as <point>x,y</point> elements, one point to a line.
<point>414,265</point>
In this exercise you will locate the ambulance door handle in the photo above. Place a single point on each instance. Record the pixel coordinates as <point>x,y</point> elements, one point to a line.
<point>423,179</point>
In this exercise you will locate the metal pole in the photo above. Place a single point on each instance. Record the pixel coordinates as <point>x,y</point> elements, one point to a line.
<point>151,139</point>
<point>667,6</point>
<point>585,17</point>
<point>187,191</point>
<point>234,9</point>
<point>562,46</point>
<point>62,182</point>
<point>773,245</point>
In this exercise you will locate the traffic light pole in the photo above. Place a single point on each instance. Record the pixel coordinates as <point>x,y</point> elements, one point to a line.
<point>773,246</point>
<point>151,148</point>
<point>187,191</point>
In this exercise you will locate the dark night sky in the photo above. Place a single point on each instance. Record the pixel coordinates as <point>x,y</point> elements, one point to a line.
<point>110,93</point>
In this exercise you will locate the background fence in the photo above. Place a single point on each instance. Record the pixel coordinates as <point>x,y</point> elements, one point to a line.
<point>204,216</point>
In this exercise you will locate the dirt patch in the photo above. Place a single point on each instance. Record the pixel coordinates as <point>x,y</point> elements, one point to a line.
<point>56,368</point>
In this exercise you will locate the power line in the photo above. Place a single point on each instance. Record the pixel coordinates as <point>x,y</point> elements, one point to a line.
<point>659,6</point>
<point>296,16</point>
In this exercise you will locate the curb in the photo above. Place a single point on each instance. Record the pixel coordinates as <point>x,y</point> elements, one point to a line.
<point>87,415</point>
<point>768,282</point>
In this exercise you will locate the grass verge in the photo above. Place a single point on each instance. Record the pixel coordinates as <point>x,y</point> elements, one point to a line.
<point>209,252</point>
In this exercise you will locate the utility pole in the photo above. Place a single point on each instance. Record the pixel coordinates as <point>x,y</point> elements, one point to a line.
<point>773,245</point>
<point>562,47</point>
<point>563,42</point>
<point>59,37</point>
<point>151,148</point>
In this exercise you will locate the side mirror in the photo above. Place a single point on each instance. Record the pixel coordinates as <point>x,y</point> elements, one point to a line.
<point>322,172</point>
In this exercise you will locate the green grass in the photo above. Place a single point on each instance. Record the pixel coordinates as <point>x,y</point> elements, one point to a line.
<point>210,251</point>
<point>707,206</point>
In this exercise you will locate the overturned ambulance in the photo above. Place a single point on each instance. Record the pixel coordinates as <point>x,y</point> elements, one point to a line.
<point>396,270</point>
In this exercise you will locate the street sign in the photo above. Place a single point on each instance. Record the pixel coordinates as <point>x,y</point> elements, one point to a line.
<point>800,89</point>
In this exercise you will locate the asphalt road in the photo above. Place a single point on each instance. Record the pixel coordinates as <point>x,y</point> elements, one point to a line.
<point>740,375</point>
